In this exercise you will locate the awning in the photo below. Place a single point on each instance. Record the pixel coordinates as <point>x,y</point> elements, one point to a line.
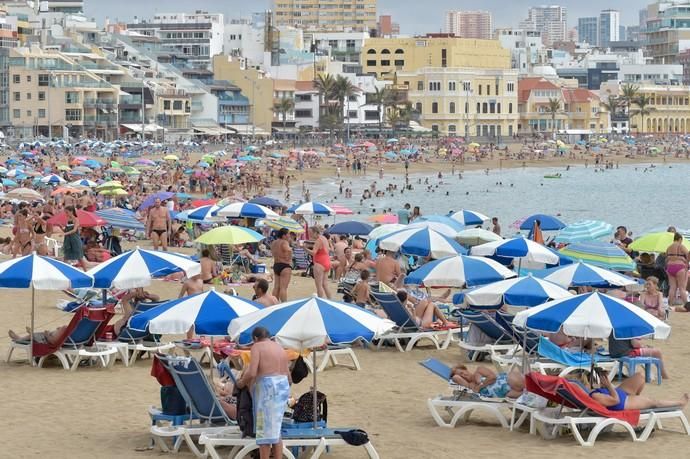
<point>244,129</point>
<point>147,127</point>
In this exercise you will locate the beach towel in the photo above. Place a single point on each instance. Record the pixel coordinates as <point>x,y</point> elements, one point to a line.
<point>271,395</point>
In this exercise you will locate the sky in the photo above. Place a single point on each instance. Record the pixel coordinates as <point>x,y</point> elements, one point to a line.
<point>414,16</point>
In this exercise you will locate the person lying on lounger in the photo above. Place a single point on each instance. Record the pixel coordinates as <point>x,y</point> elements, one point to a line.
<point>487,383</point>
<point>627,395</point>
<point>223,389</point>
<point>424,311</point>
<point>45,337</point>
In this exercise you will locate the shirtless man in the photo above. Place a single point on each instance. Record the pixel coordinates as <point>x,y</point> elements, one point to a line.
<point>68,200</point>
<point>261,294</point>
<point>269,376</point>
<point>84,201</point>
<point>342,263</point>
<point>158,225</point>
<point>388,270</point>
<point>208,267</point>
<point>282,264</point>
<point>191,286</point>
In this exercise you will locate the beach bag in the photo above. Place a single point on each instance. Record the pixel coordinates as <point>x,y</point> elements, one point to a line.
<point>303,411</point>
<point>299,370</point>
<point>172,402</point>
<point>354,437</point>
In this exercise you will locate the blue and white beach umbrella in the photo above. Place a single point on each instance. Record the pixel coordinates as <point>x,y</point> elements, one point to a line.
<point>205,213</point>
<point>459,271</point>
<point>585,230</point>
<point>118,217</point>
<point>524,291</point>
<point>246,210</point>
<point>546,223</point>
<point>593,315</point>
<point>84,182</point>
<point>518,247</point>
<point>421,242</point>
<point>439,227</point>
<point>136,268</point>
<point>210,313</point>
<point>454,224</point>
<point>585,275</point>
<point>53,179</point>
<point>469,217</point>
<point>311,208</point>
<point>311,322</point>
<point>41,273</point>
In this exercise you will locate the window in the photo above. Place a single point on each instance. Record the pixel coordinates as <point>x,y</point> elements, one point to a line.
<point>480,89</point>
<point>303,113</point>
<point>488,89</point>
<point>492,107</point>
<point>71,97</point>
<point>28,96</point>
<point>434,86</point>
<point>479,107</point>
<point>399,63</point>
<point>434,127</point>
<point>28,78</point>
<point>371,115</point>
<point>451,86</point>
<point>485,107</point>
<point>17,96</point>
<point>466,86</point>
<point>385,51</point>
<point>498,108</point>
<point>16,113</point>
<point>420,86</point>
<point>511,87</point>
<point>451,107</point>
<point>444,57</point>
<point>371,51</point>
<point>41,112</point>
<point>467,107</point>
<point>16,79</point>
<point>73,114</point>
<point>177,105</point>
<point>434,107</point>
<point>166,105</point>
<point>385,63</point>
<point>452,128</point>
<point>43,79</point>
<point>303,97</point>
<point>371,63</point>
<point>29,114</point>
<point>497,89</point>
<point>41,95</point>
<point>510,107</point>
<point>352,114</point>
<point>418,107</point>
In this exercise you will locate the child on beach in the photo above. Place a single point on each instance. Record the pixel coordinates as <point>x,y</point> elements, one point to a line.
<point>361,290</point>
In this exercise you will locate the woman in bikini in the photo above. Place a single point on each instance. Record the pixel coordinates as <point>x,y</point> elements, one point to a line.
<point>40,226</point>
<point>24,237</point>
<point>322,263</point>
<point>652,300</point>
<point>677,270</point>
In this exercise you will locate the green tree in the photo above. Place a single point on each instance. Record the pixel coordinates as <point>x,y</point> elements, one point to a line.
<point>343,90</point>
<point>644,108</point>
<point>629,93</point>
<point>325,84</point>
<point>553,108</point>
<point>381,97</point>
<point>283,107</point>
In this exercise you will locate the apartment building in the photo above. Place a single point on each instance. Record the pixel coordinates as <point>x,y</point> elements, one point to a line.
<point>326,15</point>
<point>469,24</point>
<point>550,20</point>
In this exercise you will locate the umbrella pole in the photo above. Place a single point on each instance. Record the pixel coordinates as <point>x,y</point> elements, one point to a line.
<point>31,336</point>
<point>314,394</point>
<point>210,364</point>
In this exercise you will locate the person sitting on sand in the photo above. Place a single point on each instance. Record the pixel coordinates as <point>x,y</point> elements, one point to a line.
<point>652,300</point>
<point>423,310</point>
<point>627,395</point>
<point>488,383</point>
<point>261,294</point>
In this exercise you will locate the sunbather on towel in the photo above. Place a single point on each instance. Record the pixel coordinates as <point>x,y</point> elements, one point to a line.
<point>627,395</point>
<point>487,383</point>
<point>46,337</point>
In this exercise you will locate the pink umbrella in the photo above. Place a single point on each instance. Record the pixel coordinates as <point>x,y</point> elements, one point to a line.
<point>384,218</point>
<point>341,210</point>
<point>517,223</point>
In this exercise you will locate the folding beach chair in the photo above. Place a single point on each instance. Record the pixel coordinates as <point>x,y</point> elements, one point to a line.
<point>301,261</point>
<point>502,340</point>
<point>406,326</point>
<point>463,402</point>
<point>579,411</point>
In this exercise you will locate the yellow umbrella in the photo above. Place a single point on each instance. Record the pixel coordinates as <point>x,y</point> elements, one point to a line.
<point>110,184</point>
<point>113,192</point>
<point>171,158</point>
<point>231,235</point>
<point>474,145</point>
<point>63,167</point>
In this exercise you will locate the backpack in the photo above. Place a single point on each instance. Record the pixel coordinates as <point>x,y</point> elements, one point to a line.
<point>299,370</point>
<point>303,411</point>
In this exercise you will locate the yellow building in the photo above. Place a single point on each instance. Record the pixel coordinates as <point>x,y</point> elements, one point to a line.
<point>48,92</point>
<point>579,109</point>
<point>254,85</point>
<point>384,57</point>
<point>669,110</point>
<point>326,15</point>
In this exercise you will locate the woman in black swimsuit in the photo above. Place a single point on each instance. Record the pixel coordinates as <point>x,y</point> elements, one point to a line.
<point>40,227</point>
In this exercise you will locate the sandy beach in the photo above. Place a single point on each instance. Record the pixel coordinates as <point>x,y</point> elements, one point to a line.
<point>102,413</point>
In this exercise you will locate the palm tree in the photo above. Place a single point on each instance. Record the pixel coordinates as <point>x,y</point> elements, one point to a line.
<point>381,97</point>
<point>644,108</point>
<point>325,84</point>
<point>343,89</point>
<point>395,119</point>
<point>554,108</point>
<point>283,107</point>
<point>629,93</point>
<point>612,104</point>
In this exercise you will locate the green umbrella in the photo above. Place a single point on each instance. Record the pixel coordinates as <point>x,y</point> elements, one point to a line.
<point>655,242</point>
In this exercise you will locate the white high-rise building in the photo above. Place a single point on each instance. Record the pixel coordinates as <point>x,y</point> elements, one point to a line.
<point>609,27</point>
<point>551,21</point>
<point>469,24</point>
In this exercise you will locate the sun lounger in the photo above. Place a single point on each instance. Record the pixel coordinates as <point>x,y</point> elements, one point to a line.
<point>407,328</point>
<point>75,344</point>
<point>330,357</point>
<point>502,340</point>
<point>463,402</point>
<point>579,412</point>
<point>556,359</point>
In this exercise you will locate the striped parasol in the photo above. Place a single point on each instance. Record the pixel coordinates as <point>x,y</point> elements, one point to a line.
<point>602,254</point>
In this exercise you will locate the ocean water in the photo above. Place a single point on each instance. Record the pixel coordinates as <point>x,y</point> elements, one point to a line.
<point>640,197</point>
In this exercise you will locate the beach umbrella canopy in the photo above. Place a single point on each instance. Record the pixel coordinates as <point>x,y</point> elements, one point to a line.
<point>593,315</point>
<point>384,219</point>
<point>113,192</point>
<point>205,213</point>
<point>24,194</point>
<point>285,222</point>
<point>449,222</point>
<point>341,210</point>
<point>135,268</point>
<point>546,222</point>
<point>53,179</point>
<point>476,236</point>
<point>171,158</point>
<point>459,271</point>
<point>85,218</point>
<point>585,230</point>
<point>229,234</point>
<point>654,242</point>
<point>84,182</point>
<point>518,247</point>
<point>311,208</point>
<point>151,199</point>
<point>311,322</point>
<point>120,218</point>
<point>9,182</point>
<point>585,275</point>
<point>245,210</point>
<point>439,227</point>
<point>210,313</point>
<point>523,291</point>
<point>421,242</point>
<point>351,227</point>
<point>602,254</point>
<point>109,185</point>
<point>266,201</point>
<point>469,217</point>
<point>384,230</point>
